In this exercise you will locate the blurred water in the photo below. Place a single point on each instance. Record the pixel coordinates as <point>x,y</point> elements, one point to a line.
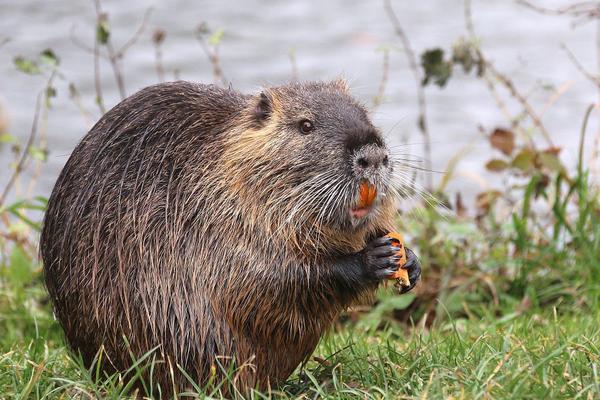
<point>329,39</point>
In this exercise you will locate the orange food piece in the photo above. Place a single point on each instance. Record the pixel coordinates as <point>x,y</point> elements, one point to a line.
<point>401,275</point>
<point>367,193</point>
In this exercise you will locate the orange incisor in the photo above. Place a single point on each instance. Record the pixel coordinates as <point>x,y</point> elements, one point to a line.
<point>401,275</point>
<point>367,193</point>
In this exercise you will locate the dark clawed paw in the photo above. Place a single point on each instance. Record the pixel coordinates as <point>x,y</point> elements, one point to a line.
<point>380,258</point>
<point>413,265</point>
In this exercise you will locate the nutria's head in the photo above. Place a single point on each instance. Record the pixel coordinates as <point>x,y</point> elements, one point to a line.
<point>313,165</point>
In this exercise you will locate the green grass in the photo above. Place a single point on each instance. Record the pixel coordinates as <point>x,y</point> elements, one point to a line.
<point>546,355</point>
<point>512,349</point>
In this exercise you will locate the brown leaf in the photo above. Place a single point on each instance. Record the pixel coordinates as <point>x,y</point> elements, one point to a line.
<point>503,140</point>
<point>553,150</point>
<point>496,165</point>
<point>461,210</point>
<point>484,200</point>
<point>158,36</point>
<point>541,185</point>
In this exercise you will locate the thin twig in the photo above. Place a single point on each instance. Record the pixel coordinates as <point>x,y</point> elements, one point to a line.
<point>504,79</point>
<point>587,9</point>
<point>30,140</point>
<point>137,35</point>
<point>212,53</point>
<point>384,79</point>
<point>501,104</point>
<point>414,66</point>
<point>79,43</point>
<point>42,142</point>
<point>512,89</point>
<point>294,64</point>
<point>113,56</point>
<point>562,89</point>
<point>595,79</point>
<point>75,96</point>
<point>114,62</point>
<point>98,79</point>
<point>158,38</point>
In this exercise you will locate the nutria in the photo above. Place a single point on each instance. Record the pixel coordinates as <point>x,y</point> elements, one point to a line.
<point>222,230</point>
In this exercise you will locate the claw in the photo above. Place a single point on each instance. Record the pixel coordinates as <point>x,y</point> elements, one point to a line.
<point>414,270</point>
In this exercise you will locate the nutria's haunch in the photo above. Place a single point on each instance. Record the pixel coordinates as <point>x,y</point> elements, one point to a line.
<point>223,230</point>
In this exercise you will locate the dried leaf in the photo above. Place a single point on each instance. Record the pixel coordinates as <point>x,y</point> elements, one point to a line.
<point>496,165</point>
<point>461,210</point>
<point>485,200</point>
<point>524,160</point>
<point>158,36</point>
<point>503,140</point>
<point>553,150</point>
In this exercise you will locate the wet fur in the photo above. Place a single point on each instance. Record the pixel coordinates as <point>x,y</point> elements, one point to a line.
<point>185,221</point>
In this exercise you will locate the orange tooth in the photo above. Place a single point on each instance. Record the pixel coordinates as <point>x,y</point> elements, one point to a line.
<point>367,193</point>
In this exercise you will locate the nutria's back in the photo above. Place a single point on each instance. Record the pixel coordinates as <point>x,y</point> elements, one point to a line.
<point>221,229</point>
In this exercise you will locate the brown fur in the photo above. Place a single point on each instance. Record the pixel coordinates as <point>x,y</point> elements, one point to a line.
<point>184,222</point>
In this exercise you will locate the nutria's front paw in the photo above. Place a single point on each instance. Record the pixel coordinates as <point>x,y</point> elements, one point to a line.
<point>380,259</point>
<point>414,270</point>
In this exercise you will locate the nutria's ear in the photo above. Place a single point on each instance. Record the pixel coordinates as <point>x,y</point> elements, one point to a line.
<point>263,108</point>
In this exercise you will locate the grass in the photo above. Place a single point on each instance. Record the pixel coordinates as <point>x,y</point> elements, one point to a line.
<point>533,355</point>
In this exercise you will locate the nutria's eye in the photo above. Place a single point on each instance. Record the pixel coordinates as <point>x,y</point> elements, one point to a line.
<point>306,126</point>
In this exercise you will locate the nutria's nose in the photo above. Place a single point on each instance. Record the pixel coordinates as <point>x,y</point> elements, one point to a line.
<point>371,157</point>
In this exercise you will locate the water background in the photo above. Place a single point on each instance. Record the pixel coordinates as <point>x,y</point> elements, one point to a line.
<point>329,39</point>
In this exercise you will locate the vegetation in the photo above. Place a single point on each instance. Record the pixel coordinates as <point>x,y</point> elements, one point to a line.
<point>509,305</point>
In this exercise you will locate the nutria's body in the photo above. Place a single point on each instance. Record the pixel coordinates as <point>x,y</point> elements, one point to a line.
<point>217,227</point>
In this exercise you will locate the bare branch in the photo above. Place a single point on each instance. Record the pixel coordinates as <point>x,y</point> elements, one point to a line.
<point>158,38</point>
<point>514,92</point>
<point>114,62</point>
<point>580,68</point>
<point>78,43</point>
<point>212,53</point>
<point>98,79</point>
<point>414,66</point>
<point>585,9</point>
<point>502,78</point>
<point>113,56</point>
<point>294,64</point>
<point>30,140</point>
<point>75,96</point>
<point>136,36</point>
<point>562,89</point>
<point>384,79</point>
<point>42,141</point>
